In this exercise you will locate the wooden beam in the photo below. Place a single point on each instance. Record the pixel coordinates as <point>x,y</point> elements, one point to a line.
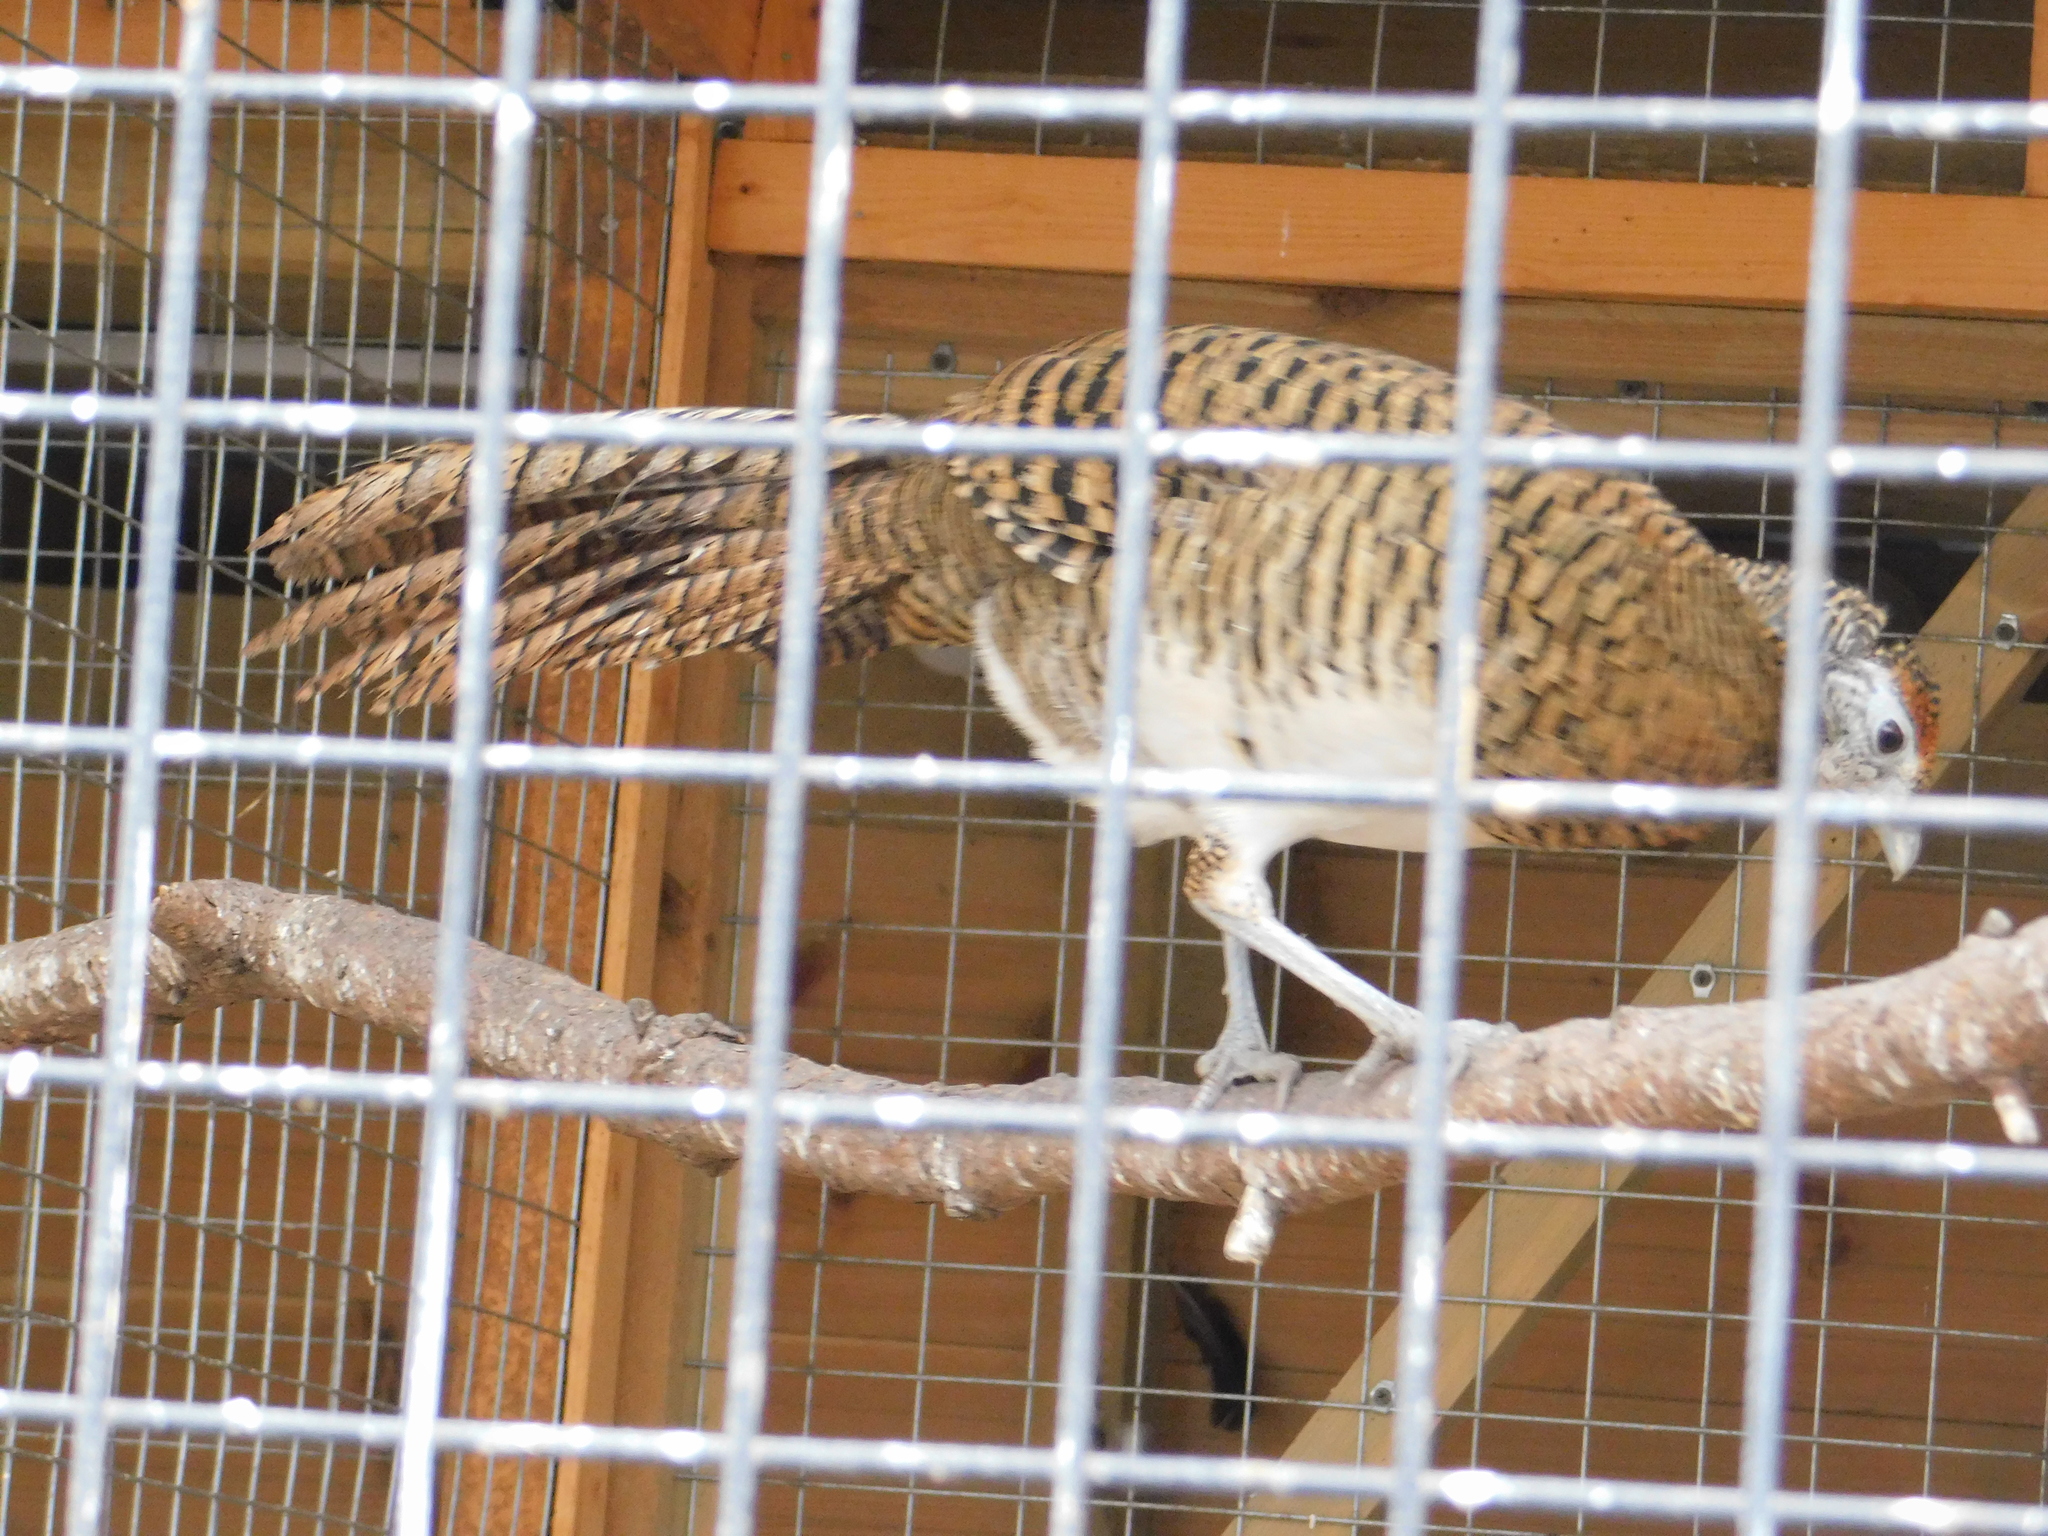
<point>613,1206</point>
<point>1525,1238</point>
<point>698,894</point>
<point>638,1202</point>
<point>2037,90</point>
<point>515,1273</point>
<point>683,365</point>
<point>597,349</point>
<point>911,308</point>
<point>695,957</point>
<point>1568,237</point>
<point>786,52</point>
<point>701,37</point>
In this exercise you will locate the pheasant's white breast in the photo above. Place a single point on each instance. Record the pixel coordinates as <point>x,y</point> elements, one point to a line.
<point>1193,714</point>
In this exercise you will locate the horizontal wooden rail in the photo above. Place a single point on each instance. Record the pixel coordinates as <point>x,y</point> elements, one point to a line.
<point>1683,348</point>
<point>1567,238</point>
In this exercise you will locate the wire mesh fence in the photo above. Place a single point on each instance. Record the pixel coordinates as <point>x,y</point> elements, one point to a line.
<point>918,959</point>
<point>338,262</point>
<point>1693,48</point>
<point>231,275</point>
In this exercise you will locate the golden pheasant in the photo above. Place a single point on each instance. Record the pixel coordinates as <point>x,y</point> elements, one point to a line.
<point>1291,622</point>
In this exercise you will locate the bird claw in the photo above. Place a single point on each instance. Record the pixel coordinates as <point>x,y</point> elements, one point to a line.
<point>1390,1050</point>
<point>1226,1063</point>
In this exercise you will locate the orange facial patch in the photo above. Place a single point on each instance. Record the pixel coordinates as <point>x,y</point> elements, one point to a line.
<point>1923,701</point>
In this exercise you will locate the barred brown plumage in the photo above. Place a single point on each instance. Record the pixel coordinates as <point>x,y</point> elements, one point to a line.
<point>1291,623</point>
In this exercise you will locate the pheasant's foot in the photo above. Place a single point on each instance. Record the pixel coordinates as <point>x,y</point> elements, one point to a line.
<point>1240,1052</point>
<point>1231,1061</point>
<point>1391,1048</point>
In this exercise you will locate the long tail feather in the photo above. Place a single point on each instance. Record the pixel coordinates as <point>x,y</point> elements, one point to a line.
<point>615,555</point>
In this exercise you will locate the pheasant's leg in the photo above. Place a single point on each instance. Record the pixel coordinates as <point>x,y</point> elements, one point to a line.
<point>1230,890</point>
<point>1240,1051</point>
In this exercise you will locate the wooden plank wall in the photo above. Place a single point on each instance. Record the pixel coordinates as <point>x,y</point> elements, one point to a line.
<point>372,219</point>
<point>2037,81</point>
<point>1516,1248</point>
<point>379,208</point>
<point>1566,238</point>
<point>1682,51</point>
<point>890,1321</point>
<point>909,308</point>
<point>265,1243</point>
<point>642,1211</point>
<point>876,986</point>
<point>318,224</point>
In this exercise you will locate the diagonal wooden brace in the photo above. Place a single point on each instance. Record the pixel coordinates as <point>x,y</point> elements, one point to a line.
<point>1528,1235</point>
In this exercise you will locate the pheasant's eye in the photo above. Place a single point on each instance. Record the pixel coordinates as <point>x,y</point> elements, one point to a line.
<point>1891,737</point>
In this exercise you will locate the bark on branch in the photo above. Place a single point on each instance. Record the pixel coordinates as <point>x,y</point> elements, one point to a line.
<point>1971,1023</point>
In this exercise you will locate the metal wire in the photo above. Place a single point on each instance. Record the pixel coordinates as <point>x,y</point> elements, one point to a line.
<point>276,1274</point>
<point>217,736</point>
<point>1110,870</point>
<point>1456,721</point>
<point>108,1187</point>
<point>447,1038</point>
<point>783,836</point>
<point>1702,51</point>
<point>1796,861</point>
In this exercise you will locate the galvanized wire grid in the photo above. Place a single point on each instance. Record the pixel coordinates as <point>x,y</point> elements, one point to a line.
<point>944,940</point>
<point>268,1246</point>
<point>1944,50</point>
<point>1058,1462</point>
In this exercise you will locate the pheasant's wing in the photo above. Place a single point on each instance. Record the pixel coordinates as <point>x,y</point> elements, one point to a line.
<point>1615,643</point>
<point>1060,514</point>
<point>613,554</point>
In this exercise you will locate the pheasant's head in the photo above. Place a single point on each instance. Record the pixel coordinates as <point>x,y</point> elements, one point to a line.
<point>1878,734</point>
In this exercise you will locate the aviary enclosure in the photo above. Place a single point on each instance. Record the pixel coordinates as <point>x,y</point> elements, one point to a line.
<point>236,1338</point>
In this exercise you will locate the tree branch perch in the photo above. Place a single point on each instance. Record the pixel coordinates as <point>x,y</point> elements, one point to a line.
<point>1972,1023</point>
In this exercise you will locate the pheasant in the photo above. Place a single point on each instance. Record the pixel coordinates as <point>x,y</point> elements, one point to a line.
<point>1291,622</point>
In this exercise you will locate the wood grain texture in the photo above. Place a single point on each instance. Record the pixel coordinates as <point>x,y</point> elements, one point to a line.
<point>910,308</point>
<point>2037,79</point>
<point>701,37</point>
<point>1930,1036</point>
<point>517,1194</point>
<point>640,1207</point>
<point>1567,237</point>
<point>785,51</point>
<point>1525,1238</point>
<point>614,1205</point>
<point>694,954</point>
<point>683,363</point>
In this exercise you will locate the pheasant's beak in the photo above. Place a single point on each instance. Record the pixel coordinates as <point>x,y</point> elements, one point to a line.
<point>1901,849</point>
